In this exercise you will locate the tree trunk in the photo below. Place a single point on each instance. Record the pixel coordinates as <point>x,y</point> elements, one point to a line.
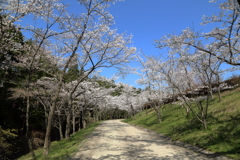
<point>68,123</point>
<point>28,136</point>
<point>158,114</point>
<point>46,114</point>
<point>210,89</point>
<point>187,110</point>
<point>205,123</point>
<point>146,110</point>
<point>96,116</point>
<point>73,122</point>
<point>84,123</point>
<point>79,124</point>
<point>49,127</point>
<point>132,110</point>
<point>80,120</point>
<point>219,94</point>
<point>89,116</point>
<point>60,126</point>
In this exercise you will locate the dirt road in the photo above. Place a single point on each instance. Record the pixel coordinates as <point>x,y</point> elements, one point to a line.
<point>116,140</point>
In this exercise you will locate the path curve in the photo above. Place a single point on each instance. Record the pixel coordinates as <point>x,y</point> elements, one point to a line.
<point>116,140</point>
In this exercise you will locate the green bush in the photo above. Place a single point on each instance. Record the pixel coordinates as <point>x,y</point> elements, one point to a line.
<point>7,137</point>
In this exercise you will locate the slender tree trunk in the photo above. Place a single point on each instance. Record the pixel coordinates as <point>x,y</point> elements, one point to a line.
<point>49,126</point>
<point>146,110</point>
<point>132,110</point>
<point>28,136</point>
<point>46,115</point>
<point>84,123</point>
<point>187,110</point>
<point>97,116</point>
<point>211,94</point>
<point>159,117</point>
<point>79,125</point>
<point>60,126</point>
<point>89,116</point>
<point>80,120</point>
<point>68,123</point>
<point>219,94</point>
<point>157,110</point>
<point>73,121</point>
<point>45,110</point>
<point>205,123</point>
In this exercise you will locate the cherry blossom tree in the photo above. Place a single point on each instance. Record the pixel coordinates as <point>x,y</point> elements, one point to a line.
<point>153,81</point>
<point>43,91</point>
<point>14,11</point>
<point>221,42</point>
<point>179,73</point>
<point>87,36</point>
<point>202,55</point>
<point>31,69</point>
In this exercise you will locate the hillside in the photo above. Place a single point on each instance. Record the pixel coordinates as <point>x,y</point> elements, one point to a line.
<point>222,136</point>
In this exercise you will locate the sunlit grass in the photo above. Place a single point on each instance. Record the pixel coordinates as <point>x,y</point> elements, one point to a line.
<point>61,150</point>
<point>222,136</point>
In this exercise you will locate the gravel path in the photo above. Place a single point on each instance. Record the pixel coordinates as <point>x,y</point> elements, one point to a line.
<point>115,140</point>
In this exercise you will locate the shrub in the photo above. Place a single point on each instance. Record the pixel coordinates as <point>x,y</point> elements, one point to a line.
<point>7,137</point>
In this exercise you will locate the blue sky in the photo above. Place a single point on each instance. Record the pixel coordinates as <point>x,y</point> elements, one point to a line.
<point>148,20</point>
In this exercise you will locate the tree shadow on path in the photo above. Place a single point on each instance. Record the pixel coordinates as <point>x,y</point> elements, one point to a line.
<point>138,147</point>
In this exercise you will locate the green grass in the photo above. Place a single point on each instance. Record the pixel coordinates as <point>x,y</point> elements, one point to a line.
<point>222,135</point>
<point>60,150</point>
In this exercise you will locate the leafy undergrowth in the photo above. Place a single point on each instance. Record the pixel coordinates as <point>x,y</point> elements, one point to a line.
<point>61,150</point>
<point>222,135</point>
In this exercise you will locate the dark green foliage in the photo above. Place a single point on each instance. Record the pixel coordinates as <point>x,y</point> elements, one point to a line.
<point>12,110</point>
<point>105,84</point>
<point>138,90</point>
<point>12,115</point>
<point>73,72</point>
<point>7,143</point>
<point>117,92</point>
<point>9,54</point>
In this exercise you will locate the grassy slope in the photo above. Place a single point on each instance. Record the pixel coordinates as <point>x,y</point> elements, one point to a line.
<point>223,135</point>
<point>62,149</point>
